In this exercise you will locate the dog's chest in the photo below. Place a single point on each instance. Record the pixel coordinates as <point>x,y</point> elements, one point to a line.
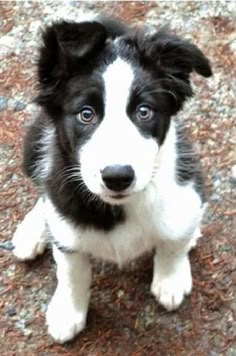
<point>153,215</point>
<point>129,239</point>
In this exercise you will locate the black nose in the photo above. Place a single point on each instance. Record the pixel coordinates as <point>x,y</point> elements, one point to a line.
<point>118,177</point>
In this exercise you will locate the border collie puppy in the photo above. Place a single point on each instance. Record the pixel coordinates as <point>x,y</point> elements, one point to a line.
<point>116,174</point>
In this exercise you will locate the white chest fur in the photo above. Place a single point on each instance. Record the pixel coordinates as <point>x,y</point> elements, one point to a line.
<point>151,217</point>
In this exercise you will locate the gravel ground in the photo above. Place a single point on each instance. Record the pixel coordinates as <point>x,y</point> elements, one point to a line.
<point>124,318</point>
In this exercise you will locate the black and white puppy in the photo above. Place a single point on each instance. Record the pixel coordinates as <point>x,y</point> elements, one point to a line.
<point>117,176</point>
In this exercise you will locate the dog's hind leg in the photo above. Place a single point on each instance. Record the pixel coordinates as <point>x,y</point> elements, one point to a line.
<point>28,240</point>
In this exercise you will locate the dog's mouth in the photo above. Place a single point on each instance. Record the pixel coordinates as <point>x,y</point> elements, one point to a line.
<point>115,198</point>
<point>119,196</point>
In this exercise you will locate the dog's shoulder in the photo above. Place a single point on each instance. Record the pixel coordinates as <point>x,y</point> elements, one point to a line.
<point>37,143</point>
<point>188,167</point>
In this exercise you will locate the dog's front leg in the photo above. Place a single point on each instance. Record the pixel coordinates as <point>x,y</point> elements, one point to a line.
<point>29,240</point>
<point>172,278</point>
<point>67,311</point>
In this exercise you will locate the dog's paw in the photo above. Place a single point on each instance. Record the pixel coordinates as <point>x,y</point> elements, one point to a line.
<point>170,288</point>
<point>27,244</point>
<point>64,322</point>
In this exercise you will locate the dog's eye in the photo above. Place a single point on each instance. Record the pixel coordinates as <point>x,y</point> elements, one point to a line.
<point>86,115</point>
<point>144,113</point>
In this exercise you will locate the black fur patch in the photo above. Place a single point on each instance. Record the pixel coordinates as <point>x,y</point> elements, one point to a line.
<point>76,202</point>
<point>188,167</point>
<point>63,249</point>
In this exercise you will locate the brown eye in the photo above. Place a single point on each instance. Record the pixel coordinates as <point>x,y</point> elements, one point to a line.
<point>86,115</point>
<point>144,113</point>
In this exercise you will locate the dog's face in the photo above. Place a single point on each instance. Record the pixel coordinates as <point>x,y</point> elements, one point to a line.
<point>111,100</point>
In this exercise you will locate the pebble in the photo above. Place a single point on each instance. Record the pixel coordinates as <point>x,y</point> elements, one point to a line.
<point>14,178</point>
<point>120,293</point>
<point>28,332</point>
<point>19,105</point>
<point>217,179</point>
<point>11,311</point>
<point>216,197</point>
<point>148,321</point>
<point>6,245</point>
<point>16,105</point>
<point>22,325</point>
<point>3,103</point>
<point>43,307</point>
<point>179,328</point>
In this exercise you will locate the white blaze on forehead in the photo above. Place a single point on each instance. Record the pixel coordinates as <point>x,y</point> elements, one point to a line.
<point>117,140</point>
<point>118,79</point>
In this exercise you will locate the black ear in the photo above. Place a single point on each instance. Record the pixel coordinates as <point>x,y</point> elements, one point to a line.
<point>176,55</point>
<point>65,44</point>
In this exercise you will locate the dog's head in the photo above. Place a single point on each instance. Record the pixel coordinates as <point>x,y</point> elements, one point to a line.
<point>110,92</point>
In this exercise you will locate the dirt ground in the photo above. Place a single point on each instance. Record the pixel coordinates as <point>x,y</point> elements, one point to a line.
<point>124,318</point>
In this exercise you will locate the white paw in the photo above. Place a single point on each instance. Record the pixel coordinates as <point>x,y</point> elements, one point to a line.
<point>27,244</point>
<point>28,241</point>
<point>64,321</point>
<point>170,288</point>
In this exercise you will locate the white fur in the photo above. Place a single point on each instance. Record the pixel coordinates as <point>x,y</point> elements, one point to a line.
<point>45,144</point>
<point>164,216</point>
<point>28,237</point>
<point>172,278</point>
<point>117,140</point>
<point>67,311</point>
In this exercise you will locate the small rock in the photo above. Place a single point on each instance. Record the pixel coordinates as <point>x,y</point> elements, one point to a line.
<point>21,324</point>
<point>28,332</point>
<point>148,321</point>
<point>14,178</point>
<point>6,245</point>
<point>216,175</point>
<point>120,293</point>
<point>216,197</point>
<point>3,103</point>
<point>19,106</point>
<point>179,328</point>
<point>227,247</point>
<point>217,178</point>
<point>11,311</point>
<point>43,308</point>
